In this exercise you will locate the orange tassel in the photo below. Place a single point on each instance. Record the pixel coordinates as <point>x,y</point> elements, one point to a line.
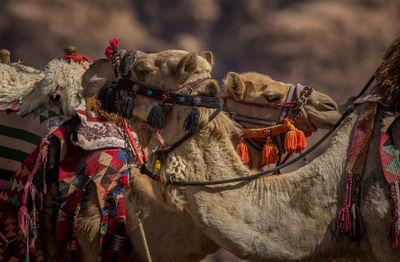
<point>301,141</point>
<point>243,151</point>
<point>291,140</point>
<point>270,154</point>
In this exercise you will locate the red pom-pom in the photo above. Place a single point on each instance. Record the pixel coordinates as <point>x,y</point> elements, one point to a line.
<point>301,141</point>
<point>110,50</point>
<point>123,181</point>
<point>114,43</point>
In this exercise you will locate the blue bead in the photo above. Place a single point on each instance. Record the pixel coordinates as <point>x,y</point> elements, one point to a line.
<point>149,92</point>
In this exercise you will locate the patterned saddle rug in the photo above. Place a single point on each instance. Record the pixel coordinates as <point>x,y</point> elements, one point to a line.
<point>20,135</point>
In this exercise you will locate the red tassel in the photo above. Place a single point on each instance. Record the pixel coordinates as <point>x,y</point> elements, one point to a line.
<point>301,141</point>
<point>291,140</point>
<point>243,151</point>
<point>270,154</point>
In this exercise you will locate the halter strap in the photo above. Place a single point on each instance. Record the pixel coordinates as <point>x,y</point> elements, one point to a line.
<point>287,103</point>
<point>190,87</point>
<point>169,96</point>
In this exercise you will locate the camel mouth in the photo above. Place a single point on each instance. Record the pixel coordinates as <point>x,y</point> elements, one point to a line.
<point>323,119</point>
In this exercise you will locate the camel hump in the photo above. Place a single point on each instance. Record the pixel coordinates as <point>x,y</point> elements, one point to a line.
<point>5,56</point>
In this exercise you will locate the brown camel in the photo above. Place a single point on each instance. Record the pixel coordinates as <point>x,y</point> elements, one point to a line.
<point>255,95</point>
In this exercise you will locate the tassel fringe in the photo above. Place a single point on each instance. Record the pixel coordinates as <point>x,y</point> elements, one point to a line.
<point>243,151</point>
<point>270,154</point>
<point>301,141</point>
<point>127,106</point>
<point>156,116</point>
<point>192,121</point>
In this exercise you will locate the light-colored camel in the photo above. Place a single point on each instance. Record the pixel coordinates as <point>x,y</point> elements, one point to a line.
<point>142,67</point>
<point>245,90</point>
<point>291,217</point>
<point>171,235</point>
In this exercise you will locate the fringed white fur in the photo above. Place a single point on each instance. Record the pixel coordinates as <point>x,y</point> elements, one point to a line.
<point>59,73</point>
<point>15,79</point>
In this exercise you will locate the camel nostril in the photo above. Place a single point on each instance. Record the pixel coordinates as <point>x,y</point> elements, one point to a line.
<point>329,106</point>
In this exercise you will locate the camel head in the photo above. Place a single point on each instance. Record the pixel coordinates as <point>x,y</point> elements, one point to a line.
<point>172,70</point>
<point>259,89</point>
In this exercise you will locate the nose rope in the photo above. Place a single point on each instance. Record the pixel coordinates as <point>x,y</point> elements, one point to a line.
<point>302,99</point>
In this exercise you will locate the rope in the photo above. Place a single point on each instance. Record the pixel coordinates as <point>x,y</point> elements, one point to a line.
<point>146,247</point>
<point>300,156</point>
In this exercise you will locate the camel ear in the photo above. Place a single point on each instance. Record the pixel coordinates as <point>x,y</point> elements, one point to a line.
<point>235,85</point>
<point>186,66</point>
<point>209,57</point>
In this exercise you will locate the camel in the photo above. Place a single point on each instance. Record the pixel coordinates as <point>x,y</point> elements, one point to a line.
<point>142,68</point>
<point>290,217</point>
<point>253,95</point>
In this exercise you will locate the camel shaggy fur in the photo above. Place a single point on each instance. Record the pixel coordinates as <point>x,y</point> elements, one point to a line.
<point>15,79</point>
<point>59,74</point>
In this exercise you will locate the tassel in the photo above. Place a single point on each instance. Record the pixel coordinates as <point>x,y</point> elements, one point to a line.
<point>243,151</point>
<point>301,141</point>
<point>156,116</point>
<point>127,106</point>
<point>291,140</point>
<point>192,121</point>
<point>270,154</point>
<point>107,96</point>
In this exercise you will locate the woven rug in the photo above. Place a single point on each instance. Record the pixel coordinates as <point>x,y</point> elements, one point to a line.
<point>19,136</point>
<point>107,169</point>
<point>390,165</point>
<point>348,216</point>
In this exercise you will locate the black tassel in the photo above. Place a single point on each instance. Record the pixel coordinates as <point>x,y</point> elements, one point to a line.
<point>156,116</point>
<point>107,96</point>
<point>127,106</point>
<point>192,121</point>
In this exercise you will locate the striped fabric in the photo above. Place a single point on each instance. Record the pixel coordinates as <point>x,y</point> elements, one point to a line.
<point>19,136</point>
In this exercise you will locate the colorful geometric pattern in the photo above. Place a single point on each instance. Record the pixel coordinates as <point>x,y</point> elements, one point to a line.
<point>19,135</point>
<point>390,165</point>
<point>104,168</point>
<point>77,170</point>
<point>348,216</point>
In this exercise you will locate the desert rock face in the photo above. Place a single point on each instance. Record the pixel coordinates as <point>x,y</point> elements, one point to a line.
<point>333,44</point>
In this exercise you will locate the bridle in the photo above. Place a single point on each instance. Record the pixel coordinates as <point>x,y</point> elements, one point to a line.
<point>294,103</point>
<point>293,107</point>
<point>132,89</point>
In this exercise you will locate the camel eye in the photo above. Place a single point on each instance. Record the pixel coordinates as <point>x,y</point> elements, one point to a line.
<point>272,99</point>
<point>141,74</point>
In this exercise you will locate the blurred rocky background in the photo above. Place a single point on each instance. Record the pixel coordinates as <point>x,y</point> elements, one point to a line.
<point>331,45</point>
